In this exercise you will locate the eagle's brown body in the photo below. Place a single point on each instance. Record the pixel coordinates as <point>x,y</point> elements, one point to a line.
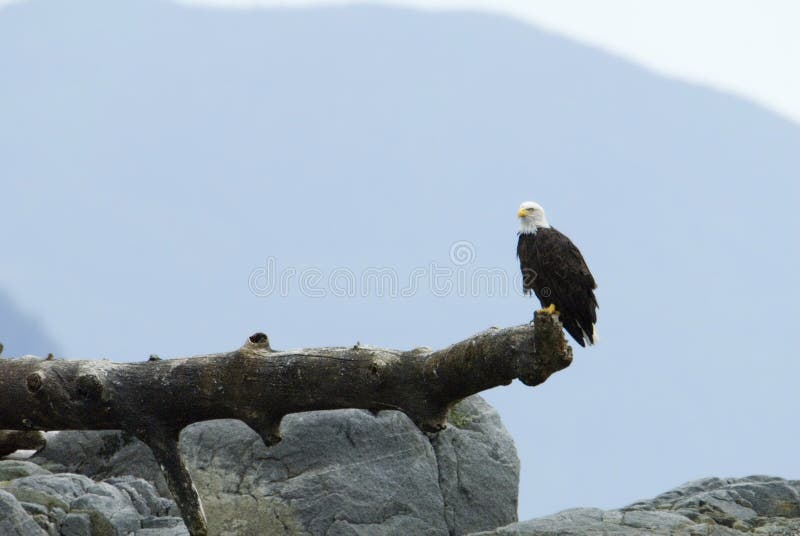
<point>554,269</point>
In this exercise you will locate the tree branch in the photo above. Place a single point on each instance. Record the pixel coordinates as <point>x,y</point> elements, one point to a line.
<point>156,399</point>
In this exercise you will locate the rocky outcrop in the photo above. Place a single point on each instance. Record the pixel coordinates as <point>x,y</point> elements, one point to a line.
<point>761,505</point>
<point>36,502</point>
<point>14,520</point>
<point>350,472</point>
<point>100,455</point>
<point>335,472</point>
<point>478,468</point>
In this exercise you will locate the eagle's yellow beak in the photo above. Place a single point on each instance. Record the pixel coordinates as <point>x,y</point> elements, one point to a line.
<point>521,213</point>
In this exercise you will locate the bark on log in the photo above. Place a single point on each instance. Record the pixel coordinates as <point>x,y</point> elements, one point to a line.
<point>156,399</point>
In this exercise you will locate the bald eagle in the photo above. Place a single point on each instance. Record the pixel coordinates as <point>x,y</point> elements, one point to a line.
<point>554,269</point>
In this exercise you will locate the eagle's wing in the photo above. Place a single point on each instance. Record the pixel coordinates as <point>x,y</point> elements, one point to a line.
<point>564,280</point>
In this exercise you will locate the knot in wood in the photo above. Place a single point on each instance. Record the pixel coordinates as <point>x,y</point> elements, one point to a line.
<point>377,367</point>
<point>259,339</point>
<point>34,382</point>
<point>90,387</point>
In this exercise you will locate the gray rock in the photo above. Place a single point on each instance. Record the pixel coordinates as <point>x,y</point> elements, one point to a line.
<point>573,522</point>
<point>100,455</point>
<point>350,473</point>
<point>144,497</point>
<point>50,491</point>
<point>342,472</point>
<point>162,522</point>
<point>710,507</point>
<point>110,503</point>
<point>163,532</point>
<point>11,469</point>
<point>335,472</point>
<point>14,520</point>
<point>76,525</point>
<point>46,524</point>
<point>74,505</point>
<point>478,468</point>
<point>33,508</point>
<point>651,520</point>
<point>176,530</point>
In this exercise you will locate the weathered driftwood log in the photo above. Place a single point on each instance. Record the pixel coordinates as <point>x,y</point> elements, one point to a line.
<point>13,440</point>
<point>156,399</point>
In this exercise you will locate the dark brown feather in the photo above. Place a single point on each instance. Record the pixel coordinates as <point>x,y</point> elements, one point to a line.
<point>554,269</point>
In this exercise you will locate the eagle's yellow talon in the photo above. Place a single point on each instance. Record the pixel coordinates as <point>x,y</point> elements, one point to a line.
<point>550,309</point>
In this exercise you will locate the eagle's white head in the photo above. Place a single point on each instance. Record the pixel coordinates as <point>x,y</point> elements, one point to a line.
<point>531,217</point>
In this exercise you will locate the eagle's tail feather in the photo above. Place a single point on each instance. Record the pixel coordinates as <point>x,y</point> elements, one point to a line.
<point>574,329</point>
<point>592,339</point>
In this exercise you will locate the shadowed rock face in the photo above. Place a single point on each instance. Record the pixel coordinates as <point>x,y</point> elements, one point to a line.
<point>100,455</point>
<point>712,506</point>
<point>335,472</point>
<point>35,502</point>
<point>13,440</point>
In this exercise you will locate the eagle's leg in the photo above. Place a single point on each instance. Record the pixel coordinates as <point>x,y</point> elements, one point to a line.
<point>550,309</point>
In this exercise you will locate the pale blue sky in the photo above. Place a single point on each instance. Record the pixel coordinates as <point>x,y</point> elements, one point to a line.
<point>156,155</point>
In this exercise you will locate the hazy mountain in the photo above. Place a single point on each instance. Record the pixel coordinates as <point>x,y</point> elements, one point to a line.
<point>155,156</point>
<point>21,333</point>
